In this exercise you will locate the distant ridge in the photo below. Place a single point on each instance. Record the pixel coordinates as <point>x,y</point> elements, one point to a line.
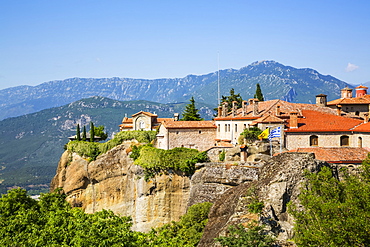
<point>31,144</point>
<point>277,82</point>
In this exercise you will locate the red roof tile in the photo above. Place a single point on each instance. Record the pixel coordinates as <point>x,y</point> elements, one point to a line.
<point>351,101</point>
<point>336,155</point>
<point>314,121</point>
<point>189,124</point>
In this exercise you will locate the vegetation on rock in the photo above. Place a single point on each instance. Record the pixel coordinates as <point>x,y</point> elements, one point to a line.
<point>156,161</point>
<point>250,134</point>
<point>51,221</point>
<point>335,212</point>
<point>93,149</point>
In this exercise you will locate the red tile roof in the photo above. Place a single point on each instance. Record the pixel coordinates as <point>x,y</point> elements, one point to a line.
<point>314,121</point>
<point>285,108</point>
<point>351,101</point>
<point>145,113</point>
<point>336,155</point>
<point>189,124</point>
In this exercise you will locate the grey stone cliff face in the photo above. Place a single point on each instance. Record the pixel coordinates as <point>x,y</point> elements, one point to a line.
<point>278,183</point>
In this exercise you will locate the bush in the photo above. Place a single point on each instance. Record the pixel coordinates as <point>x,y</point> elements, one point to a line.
<point>155,161</point>
<point>251,134</point>
<point>93,149</point>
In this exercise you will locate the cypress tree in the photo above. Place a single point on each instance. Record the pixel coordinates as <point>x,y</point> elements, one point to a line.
<point>78,136</point>
<point>84,134</point>
<point>92,132</point>
<point>191,113</point>
<point>258,95</point>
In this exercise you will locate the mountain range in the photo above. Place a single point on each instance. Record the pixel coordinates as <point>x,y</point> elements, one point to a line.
<point>32,144</point>
<point>277,81</point>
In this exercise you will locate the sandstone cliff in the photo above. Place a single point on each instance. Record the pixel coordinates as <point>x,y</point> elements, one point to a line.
<point>114,182</point>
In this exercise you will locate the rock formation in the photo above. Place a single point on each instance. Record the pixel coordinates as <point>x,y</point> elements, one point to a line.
<point>278,183</point>
<point>114,182</point>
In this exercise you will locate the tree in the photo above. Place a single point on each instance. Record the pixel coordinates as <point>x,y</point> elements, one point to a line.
<point>335,212</point>
<point>250,134</point>
<point>258,95</point>
<point>99,131</point>
<point>84,134</point>
<point>92,132</point>
<point>191,113</point>
<point>230,99</point>
<point>78,135</point>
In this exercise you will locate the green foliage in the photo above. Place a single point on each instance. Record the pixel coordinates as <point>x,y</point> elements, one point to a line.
<point>92,132</point>
<point>78,134</point>
<point>187,232</point>
<point>258,95</point>
<point>84,134</point>
<point>155,161</point>
<point>190,113</point>
<point>251,134</point>
<point>336,212</point>
<point>99,131</point>
<point>52,222</point>
<point>221,155</point>
<point>93,149</point>
<point>253,236</point>
<point>254,204</point>
<point>229,99</point>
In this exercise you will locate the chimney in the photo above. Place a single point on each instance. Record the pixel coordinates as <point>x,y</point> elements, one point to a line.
<point>278,110</point>
<point>244,108</point>
<point>321,100</point>
<point>293,120</point>
<point>176,116</point>
<point>346,93</point>
<point>366,117</point>
<point>219,111</point>
<point>339,110</point>
<point>224,109</point>
<point>255,107</point>
<point>233,110</point>
<point>361,91</point>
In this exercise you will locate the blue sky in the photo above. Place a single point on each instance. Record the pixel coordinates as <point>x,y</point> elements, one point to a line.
<point>52,40</point>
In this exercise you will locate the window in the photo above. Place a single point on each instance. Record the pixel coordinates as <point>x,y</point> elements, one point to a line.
<point>245,126</point>
<point>236,128</point>
<point>314,140</point>
<point>200,132</point>
<point>228,127</point>
<point>360,142</point>
<point>225,127</point>
<point>344,141</point>
<point>357,113</point>
<point>141,124</point>
<point>219,128</point>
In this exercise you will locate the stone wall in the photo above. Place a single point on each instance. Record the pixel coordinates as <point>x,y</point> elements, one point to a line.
<point>201,139</point>
<point>302,140</point>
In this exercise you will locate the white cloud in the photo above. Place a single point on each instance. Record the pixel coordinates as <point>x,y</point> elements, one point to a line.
<point>351,67</point>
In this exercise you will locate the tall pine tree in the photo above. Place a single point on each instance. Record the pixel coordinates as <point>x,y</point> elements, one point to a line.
<point>92,132</point>
<point>84,134</point>
<point>258,95</point>
<point>78,135</point>
<point>191,113</point>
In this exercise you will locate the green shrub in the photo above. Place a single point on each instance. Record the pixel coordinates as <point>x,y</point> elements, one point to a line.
<point>221,156</point>
<point>93,149</point>
<point>253,236</point>
<point>155,161</point>
<point>251,134</point>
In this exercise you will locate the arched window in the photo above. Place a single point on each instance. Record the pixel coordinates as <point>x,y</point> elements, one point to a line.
<point>360,142</point>
<point>344,141</point>
<point>314,140</point>
<point>141,124</point>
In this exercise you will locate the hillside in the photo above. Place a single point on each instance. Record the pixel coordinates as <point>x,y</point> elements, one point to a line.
<point>277,82</point>
<point>32,144</point>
